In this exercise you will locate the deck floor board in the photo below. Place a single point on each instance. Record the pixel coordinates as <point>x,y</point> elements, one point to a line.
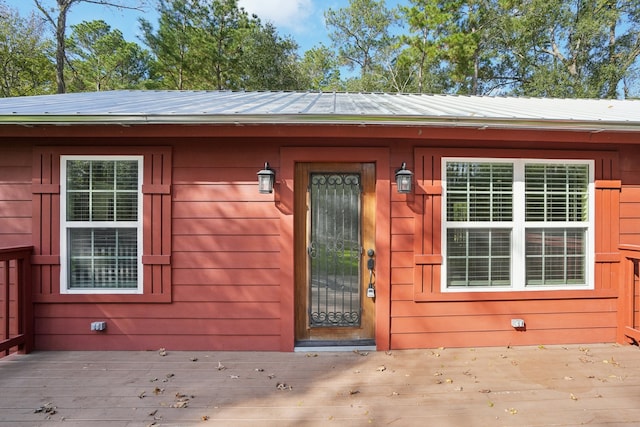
<point>596,385</point>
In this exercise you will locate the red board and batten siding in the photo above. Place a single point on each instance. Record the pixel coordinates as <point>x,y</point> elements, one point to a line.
<point>423,316</point>
<point>15,195</point>
<point>218,289</point>
<point>220,269</point>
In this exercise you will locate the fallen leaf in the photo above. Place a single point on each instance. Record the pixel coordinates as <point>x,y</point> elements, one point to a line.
<point>220,366</point>
<point>205,418</point>
<point>234,377</point>
<point>512,411</point>
<point>158,391</point>
<point>484,390</point>
<point>361,353</point>
<point>381,368</point>
<point>573,397</point>
<point>162,352</point>
<point>141,395</point>
<point>354,391</point>
<point>259,370</point>
<point>283,386</point>
<point>181,404</point>
<point>312,355</point>
<point>567,378</point>
<point>47,408</point>
<point>449,381</point>
<point>194,359</point>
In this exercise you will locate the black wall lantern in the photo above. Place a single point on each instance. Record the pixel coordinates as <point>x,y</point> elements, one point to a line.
<point>266,178</point>
<point>403,179</point>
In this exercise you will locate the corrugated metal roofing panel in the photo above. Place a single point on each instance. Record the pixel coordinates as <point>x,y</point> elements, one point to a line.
<point>274,107</point>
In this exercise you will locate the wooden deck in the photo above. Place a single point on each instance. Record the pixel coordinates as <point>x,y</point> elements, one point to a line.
<point>596,385</point>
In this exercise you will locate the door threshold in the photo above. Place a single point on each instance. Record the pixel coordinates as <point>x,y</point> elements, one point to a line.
<point>335,348</point>
<point>347,345</point>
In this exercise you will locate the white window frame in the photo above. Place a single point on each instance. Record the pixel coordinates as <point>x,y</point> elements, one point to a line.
<point>518,227</point>
<point>64,225</point>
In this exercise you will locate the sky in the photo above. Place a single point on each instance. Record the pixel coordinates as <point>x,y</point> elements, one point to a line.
<point>303,20</point>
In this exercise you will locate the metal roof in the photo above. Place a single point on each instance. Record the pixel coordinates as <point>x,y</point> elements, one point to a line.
<point>142,107</point>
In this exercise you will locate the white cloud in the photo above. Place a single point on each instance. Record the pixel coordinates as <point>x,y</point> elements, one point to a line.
<point>284,14</point>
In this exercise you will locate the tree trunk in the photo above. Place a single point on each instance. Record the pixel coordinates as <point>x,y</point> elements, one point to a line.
<point>612,76</point>
<point>61,25</point>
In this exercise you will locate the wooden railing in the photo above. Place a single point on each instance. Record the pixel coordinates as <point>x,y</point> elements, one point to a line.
<point>629,295</point>
<point>16,314</point>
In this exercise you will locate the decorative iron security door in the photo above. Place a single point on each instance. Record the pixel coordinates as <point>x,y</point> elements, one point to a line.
<point>334,224</point>
<point>335,250</point>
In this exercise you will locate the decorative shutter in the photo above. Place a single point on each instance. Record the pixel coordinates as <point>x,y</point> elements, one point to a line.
<point>607,221</point>
<point>45,188</point>
<point>427,237</point>
<point>156,190</point>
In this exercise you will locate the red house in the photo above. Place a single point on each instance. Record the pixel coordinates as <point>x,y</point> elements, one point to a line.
<point>520,224</point>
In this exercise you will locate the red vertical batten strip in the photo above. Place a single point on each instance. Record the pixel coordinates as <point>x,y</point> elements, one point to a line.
<point>46,219</point>
<point>36,216</point>
<point>157,235</point>
<point>7,304</point>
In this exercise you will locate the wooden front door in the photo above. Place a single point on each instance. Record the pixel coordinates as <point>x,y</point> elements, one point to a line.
<point>335,253</point>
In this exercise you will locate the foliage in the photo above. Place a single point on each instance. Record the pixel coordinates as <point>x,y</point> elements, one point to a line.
<point>319,69</point>
<point>100,59</point>
<point>56,15</point>
<point>547,48</point>
<point>269,61</point>
<point>360,33</point>
<point>219,46</point>
<point>25,67</point>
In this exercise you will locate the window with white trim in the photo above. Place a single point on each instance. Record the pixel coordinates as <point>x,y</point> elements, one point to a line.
<point>517,224</point>
<point>101,224</point>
